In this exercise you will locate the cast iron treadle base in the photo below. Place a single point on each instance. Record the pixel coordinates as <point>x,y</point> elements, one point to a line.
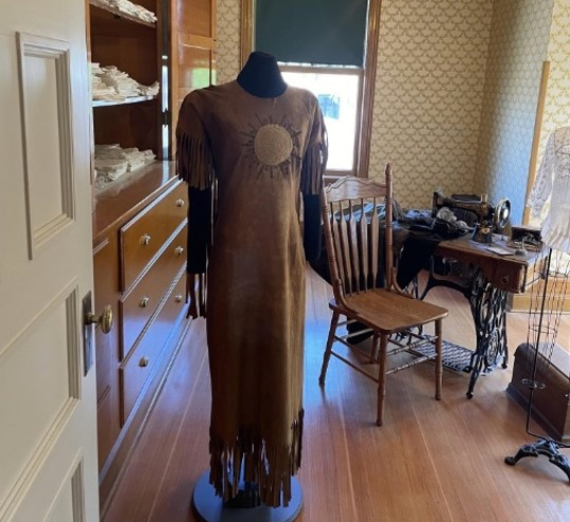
<point>547,447</point>
<point>210,507</point>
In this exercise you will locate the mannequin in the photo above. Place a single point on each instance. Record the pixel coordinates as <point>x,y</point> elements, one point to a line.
<point>262,142</point>
<point>261,76</point>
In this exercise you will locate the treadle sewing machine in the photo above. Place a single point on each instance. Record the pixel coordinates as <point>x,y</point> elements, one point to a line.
<point>475,211</point>
<point>489,276</point>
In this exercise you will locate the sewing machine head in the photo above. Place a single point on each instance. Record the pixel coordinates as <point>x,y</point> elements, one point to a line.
<point>476,211</point>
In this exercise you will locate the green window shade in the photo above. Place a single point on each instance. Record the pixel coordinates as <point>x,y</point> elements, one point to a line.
<point>324,32</point>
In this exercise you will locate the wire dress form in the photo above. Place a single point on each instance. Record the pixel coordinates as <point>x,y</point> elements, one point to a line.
<point>548,297</point>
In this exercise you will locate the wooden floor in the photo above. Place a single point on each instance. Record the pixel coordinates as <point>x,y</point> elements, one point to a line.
<point>430,462</point>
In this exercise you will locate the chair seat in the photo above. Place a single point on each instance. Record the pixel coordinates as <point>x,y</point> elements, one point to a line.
<point>387,311</point>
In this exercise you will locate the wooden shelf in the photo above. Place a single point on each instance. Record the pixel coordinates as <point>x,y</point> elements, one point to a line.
<point>112,12</point>
<point>126,101</point>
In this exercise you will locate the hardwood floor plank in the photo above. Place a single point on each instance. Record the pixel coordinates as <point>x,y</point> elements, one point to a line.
<point>432,461</point>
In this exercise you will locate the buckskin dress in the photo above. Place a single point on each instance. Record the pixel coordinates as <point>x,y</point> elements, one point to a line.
<point>262,152</point>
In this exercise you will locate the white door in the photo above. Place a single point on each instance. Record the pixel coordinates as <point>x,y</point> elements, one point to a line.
<point>48,457</point>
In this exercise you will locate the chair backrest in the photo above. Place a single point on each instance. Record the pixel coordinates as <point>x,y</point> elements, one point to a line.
<point>354,212</point>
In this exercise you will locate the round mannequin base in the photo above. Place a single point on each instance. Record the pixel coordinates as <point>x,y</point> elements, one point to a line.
<point>210,507</point>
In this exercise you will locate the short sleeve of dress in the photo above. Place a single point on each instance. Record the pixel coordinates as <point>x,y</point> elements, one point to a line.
<point>543,183</point>
<point>315,159</point>
<point>193,154</point>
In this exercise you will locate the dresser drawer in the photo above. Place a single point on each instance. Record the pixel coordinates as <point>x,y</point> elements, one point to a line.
<point>141,362</point>
<point>143,236</point>
<point>140,303</point>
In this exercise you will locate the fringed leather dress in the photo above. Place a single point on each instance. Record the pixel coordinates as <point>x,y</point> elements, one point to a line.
<point>262,153</point>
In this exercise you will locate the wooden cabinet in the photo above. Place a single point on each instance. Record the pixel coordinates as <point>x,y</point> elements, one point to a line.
<point>139,220</point>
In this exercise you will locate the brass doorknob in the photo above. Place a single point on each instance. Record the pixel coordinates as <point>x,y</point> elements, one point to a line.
<point>105,320</point>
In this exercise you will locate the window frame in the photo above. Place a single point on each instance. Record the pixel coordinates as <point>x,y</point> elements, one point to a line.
<point>353,71</point>
<point>367,80</point>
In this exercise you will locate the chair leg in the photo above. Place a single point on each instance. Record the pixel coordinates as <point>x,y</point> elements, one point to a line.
<point>438,359</point>
<point>382,378</point>
<point>375,348</point>
<point>328,350</point>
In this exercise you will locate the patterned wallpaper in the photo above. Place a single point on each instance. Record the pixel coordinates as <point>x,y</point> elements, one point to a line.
<point>557,105</point>
<point>228,35</point>
<point>429,86</point>
<point>456,91</point>
<point>518,47</point>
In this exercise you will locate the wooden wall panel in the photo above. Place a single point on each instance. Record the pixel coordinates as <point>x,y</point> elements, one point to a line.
<point>129,125</point>
<point>193,51</point>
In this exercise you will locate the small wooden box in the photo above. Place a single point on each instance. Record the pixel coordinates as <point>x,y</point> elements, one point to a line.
<point>550,405</point>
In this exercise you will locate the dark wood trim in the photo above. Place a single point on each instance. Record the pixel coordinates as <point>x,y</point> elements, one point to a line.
<point>368,89</point>
<point>247,21</point>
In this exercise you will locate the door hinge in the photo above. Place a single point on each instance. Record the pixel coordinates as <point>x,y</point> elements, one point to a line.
<point>166,118</point>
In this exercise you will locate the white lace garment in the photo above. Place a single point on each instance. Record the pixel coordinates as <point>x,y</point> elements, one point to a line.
<point>553,182</point>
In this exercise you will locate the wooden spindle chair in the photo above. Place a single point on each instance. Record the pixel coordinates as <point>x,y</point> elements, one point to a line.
<point>357,263</point>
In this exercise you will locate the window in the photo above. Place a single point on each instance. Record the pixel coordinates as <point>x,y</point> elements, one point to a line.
<point>338,94</point>
<point>329,48</point>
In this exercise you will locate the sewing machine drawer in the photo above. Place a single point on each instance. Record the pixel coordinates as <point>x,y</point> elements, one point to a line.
<point>142,300</point>
<point>142,237</point>
<point>508,277</point>
<point>143,359</point>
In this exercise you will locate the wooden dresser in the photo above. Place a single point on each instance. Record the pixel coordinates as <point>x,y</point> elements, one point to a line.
<point>139,270</point>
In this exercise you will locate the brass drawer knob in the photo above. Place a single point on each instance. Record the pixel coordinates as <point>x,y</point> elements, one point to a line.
<point>179,250</point>
<point>178,299</point>
<point>180,202</point>
<point>145,239</point>
<point>143,363</point>
<point>143,303</point>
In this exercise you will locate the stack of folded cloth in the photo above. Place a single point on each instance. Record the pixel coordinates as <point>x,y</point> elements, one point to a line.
<point>149,90</point>
<point>128,7</point>
<point>99,89</point>
<point>123,84</point>
<point>112,161</point>
<point>109,83</point>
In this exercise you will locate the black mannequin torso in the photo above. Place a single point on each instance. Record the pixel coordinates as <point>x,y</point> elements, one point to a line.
<point>261,76</point>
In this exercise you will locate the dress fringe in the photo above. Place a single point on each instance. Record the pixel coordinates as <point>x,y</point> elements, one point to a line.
<point>194,161</point>
<point>314,164</point>
<point>252,460</point>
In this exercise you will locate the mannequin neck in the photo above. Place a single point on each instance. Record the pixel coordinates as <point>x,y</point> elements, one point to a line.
<point>261,76</point>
